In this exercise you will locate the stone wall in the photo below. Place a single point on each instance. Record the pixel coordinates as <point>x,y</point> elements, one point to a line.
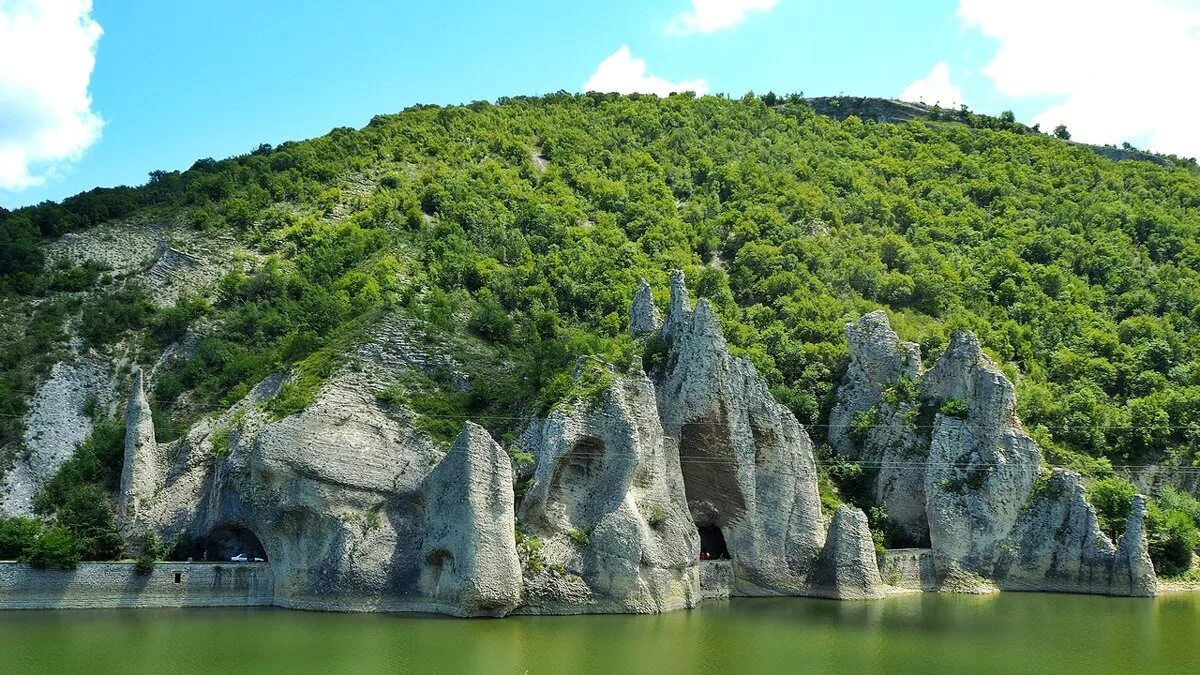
<point>107,585</point>
<point>909,568</point>
<point>715,578</point>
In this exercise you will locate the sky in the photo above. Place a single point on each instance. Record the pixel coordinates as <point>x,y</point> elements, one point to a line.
<point>101,93</point>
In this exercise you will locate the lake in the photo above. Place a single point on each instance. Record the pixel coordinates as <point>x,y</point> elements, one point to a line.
<point>1010,632</point>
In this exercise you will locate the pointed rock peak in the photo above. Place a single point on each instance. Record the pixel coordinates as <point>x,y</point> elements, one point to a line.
<point>680,309</point>
<point>964,346</point>
<point>1133,565</point>
<point>878,352</point>
<point>137,411</point>
<point>643,315</point>
<point>472,434</point>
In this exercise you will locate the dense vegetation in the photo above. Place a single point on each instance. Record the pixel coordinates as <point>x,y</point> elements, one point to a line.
<point>526,224</point>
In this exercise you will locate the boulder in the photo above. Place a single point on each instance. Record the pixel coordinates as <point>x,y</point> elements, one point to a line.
<point>469,555</point>
<point>847,568</point>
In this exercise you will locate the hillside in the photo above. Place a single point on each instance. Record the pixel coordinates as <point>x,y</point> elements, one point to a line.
<point>477,252</point>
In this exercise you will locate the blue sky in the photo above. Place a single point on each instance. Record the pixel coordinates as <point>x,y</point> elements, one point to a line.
<point>173,82</point>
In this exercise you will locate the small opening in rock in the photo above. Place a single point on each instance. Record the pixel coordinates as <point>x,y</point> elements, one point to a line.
<point>179,577</point>
<point>712,543</point>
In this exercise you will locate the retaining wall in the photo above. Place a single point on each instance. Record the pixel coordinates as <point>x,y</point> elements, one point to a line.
<point>909,568</point>
<point>103,585</point>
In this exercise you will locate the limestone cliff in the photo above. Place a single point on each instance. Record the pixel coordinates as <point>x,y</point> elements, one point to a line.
<point>748,466</point>
<point>607,506</point>
<point>1057,545</point>
<point>969,478</point>
<point>142,472</point>
<point>873,421</point>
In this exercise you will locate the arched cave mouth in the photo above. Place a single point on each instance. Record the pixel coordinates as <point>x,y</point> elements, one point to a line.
<point>224,543</point>
<point>712,543</point>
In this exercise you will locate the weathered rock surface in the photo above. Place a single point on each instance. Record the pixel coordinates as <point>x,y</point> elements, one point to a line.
<point>1057,545</point>
<point>607,503</point>
<point>143,473</point>
<point>892,449</point>
<point>977,469</point>
<point>748,465</point>
<point>469,555</point>
<point>643,315</point>
<point>847,568</point>
<point>981,466</point>
<point>57,422</point>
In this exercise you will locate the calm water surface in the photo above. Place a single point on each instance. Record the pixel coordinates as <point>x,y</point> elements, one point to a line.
<point>1010,633</point>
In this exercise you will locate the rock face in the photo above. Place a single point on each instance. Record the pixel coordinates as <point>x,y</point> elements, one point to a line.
<point>982,465</point>
<point>748,466</point>
<point>1057,545</point>
<point>142,473</point>
<point>607,505</point>
<point>469,555</point>
<point>877,429</point>
<point>976,469</point>
<point>57,422</point>
<point>847,568</point>
<point>643,315</point>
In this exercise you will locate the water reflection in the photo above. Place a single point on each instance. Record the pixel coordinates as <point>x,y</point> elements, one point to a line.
<point>1009,632</point>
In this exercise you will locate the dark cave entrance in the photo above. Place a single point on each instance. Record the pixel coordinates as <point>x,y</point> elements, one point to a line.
<point>712,543</point>
<point>227,542</point>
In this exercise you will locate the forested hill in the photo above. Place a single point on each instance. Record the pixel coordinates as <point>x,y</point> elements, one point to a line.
<point>521,228</point>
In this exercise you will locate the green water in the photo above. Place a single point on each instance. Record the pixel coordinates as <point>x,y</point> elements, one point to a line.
<point>1010,633</point>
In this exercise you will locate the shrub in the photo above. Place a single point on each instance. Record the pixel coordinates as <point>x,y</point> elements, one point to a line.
<point>1172,538</point>
<point>580,536</point>
<point>1113,500</point>
<point>861,424</point>
<point>657,517</point>
<point>17,534</point>
<point>54,548</point>
<point>954,407</point>
<point>904,390</point>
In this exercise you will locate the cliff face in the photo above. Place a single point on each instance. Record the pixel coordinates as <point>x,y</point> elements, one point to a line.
<point>355,510</point>
<point>970,477</point>
<point>629,488</point>
<point>607,505</point>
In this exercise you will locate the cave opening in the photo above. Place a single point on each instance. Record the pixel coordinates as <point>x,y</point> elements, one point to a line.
<point>712,543</point>
<point>228,543</point>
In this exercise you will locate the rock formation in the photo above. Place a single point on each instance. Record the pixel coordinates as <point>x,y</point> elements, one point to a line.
<point>847,568</point>
<point>982,465</point>
<point>355,509</point>
<point>643,315</point>
<point>975,469</point>
<point>142,472</point>
<point>748,466</point>
<point>1057,545</point>
<point>607,504</point>
<point>469,556</point>
<point>888,443</point>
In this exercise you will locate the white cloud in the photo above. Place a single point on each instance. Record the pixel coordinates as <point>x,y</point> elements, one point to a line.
<point>47,51</point>
<point>708,16</point>
<point>1121,70</point>
<point>625,74</point>
<point>935,87</point>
